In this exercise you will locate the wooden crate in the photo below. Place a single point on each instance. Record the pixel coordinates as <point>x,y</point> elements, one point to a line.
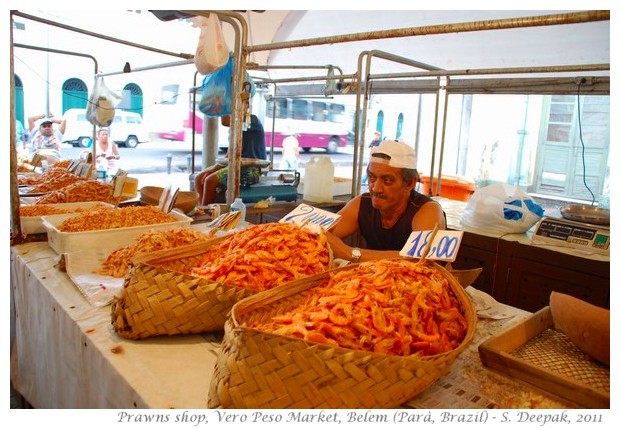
<point>534,352</point>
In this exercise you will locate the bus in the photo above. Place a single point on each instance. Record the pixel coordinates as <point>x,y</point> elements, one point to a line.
<point>321,124</point>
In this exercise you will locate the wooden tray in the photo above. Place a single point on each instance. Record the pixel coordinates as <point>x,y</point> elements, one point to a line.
<point>534,352</point>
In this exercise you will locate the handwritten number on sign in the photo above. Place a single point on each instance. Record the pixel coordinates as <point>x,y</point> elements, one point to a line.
<point>307,215</point>
<point>444,247</point>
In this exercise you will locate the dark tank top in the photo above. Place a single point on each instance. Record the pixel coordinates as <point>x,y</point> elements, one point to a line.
<point>379,238</point>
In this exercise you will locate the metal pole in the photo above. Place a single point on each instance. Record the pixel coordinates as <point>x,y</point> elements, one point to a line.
<point>364,78</point>
<point>496,24</point>
<point>443,136</point>
<point>100,36</point>
<point>152,67</point>
<point>16,224</point>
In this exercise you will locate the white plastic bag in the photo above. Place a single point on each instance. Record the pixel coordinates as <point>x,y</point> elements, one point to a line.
<point>101,104</point>
<point>501,208</point>
<point>211,52</point>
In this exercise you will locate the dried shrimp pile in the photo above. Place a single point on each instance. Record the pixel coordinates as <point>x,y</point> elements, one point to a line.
<point>391,307</point>
<point>65,163</point>
<point>25,168</point>
<point>47,178</point>
<point>23,164</point>
<point>116,218</point>
<point>84,190</point>
<point>57,179</point>
<point>118,262</point>
<point>265,256</point>
<point>48,209</point>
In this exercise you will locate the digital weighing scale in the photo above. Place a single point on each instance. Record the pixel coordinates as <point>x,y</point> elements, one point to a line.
<point>576,235</point>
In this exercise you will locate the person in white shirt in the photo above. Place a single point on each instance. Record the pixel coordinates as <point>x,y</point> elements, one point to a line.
<point>44,139</point>
<point>106,152</point>
<point>290,153</point>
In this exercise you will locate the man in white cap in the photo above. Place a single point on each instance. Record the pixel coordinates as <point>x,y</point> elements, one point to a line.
<point>386,215</point>
<point>46,140</point>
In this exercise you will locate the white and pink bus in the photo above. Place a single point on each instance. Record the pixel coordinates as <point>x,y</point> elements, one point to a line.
<point>321,124</point>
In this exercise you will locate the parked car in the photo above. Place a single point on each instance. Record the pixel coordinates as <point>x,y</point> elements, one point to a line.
<point>126,129</point>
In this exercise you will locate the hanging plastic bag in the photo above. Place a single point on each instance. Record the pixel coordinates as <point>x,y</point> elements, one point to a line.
<point>212,51</point>
<point>216,99</point>
<point>501,208</point>
<point>331,86</point>
<point>101,104</point>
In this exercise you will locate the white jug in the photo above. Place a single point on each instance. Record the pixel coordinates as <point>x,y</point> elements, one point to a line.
<point>319,179</point>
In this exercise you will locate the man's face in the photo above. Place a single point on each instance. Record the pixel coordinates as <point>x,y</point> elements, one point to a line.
<point>103,135</point>
<point>386,186</point>
<point>46,129</point>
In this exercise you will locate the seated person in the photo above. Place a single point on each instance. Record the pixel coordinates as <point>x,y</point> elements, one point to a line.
<point>45,139</point>
<point>252,146</point>
<point>386,215</point>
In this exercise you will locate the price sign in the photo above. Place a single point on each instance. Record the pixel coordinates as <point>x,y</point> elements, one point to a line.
<point>74,165</point>
<point>37,160</point>
<point>169,201</point>
<point>84,170</point>
<point>444,247</point>
<point>165,196</point>
<point>117,183</point>
<point>311,217</point>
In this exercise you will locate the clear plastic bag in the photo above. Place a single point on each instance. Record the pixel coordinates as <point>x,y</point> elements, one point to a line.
<point>101,104</point>
<point>212,51</point>
<point>501,208</point>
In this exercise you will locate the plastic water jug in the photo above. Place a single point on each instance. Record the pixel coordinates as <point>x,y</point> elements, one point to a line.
<point>319,179</point>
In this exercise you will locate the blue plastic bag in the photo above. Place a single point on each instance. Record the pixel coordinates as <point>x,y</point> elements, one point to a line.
<point>217,90</point>
<point>501,209</point>
<point>216,99</point>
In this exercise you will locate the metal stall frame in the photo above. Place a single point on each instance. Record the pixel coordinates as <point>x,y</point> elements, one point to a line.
<point>242,51</point>
<point>16,231</point>
<point>240,28</point>
<point>16,218</point>
<point>498,24</point>
<point>597,85</point>
<point>360,124</point>
<point>341,78</point>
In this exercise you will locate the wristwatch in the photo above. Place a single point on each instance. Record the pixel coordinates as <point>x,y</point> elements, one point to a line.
<point>356,254</point>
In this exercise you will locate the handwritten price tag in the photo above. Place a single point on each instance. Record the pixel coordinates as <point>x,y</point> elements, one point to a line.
<point>311,217</point>
<point>444,247</point>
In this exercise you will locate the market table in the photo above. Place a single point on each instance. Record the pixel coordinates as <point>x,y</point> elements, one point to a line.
<point>65,354</point>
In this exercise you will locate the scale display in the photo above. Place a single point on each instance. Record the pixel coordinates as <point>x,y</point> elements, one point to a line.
<point>562,232</point>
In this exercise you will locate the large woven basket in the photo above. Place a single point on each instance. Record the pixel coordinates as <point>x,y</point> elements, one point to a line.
<point>258,369</point>
<point>159,297</point>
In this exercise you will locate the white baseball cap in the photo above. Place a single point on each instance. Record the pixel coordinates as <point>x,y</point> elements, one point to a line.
<point>400,154</point>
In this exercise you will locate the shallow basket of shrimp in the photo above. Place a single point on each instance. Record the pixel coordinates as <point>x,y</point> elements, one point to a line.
<point>368,335</point>
<point>191,289</point>
<point>161,297</point>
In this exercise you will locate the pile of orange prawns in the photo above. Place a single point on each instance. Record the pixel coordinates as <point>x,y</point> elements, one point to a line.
<point>265,256</point>
<point>394,307</point>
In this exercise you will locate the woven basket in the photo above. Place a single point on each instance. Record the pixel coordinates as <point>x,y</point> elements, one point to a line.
<point>257,369</point>
<point>159,297</point>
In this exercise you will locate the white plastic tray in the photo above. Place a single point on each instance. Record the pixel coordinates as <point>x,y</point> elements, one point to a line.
<point>65,242</point>
<point>34,224</point>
